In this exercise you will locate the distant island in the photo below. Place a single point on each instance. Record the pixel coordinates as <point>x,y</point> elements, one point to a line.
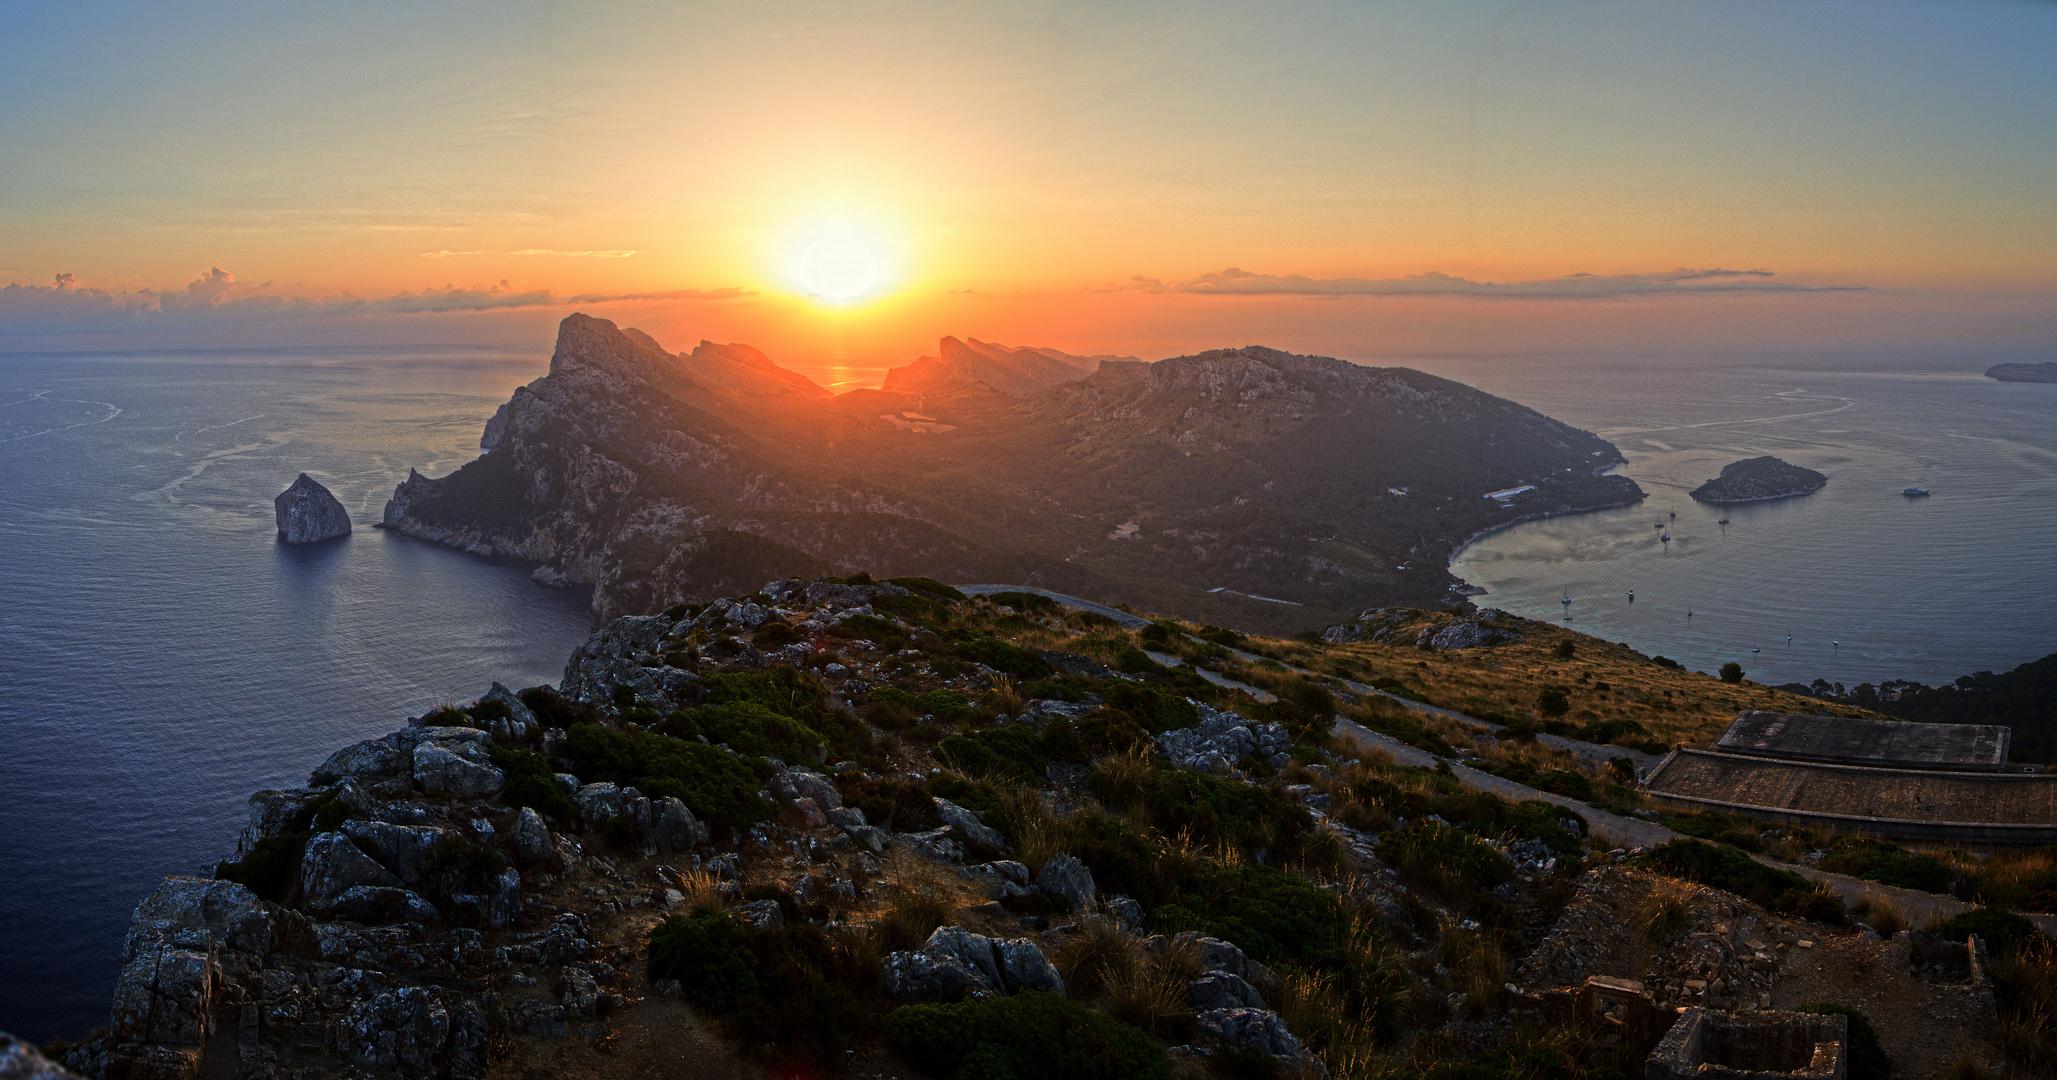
<point>2043,372</point>
<point>1758,479</point>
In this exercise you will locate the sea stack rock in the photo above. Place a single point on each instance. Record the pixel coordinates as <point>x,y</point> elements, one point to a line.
<point>307,512</point>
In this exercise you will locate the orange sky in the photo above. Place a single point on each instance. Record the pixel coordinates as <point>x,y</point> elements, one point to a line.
<point>472,173</point>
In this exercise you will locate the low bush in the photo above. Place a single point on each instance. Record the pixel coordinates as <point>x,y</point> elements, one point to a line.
<point>1154,708</point>
<point>1033,1035</point>
<point>1013,753</point>
<point>949,707</point>
<point>748,728</point>
<point>777,635</point>
<point>1001,656</point>
<point>530,783</point>
<point>899,805</point>
<point>1134,661</point>
<point>883,633</point>
<point>1269,914</point>
<point>1452,860</point>
<point>2000,930</point>
<point>1887,864</point>
<point>1730,870</point>
<point>1208,809</point>
<point>891,708</point>
<point>929,587</point>
<point>718,787</point>
<point>791,989</point>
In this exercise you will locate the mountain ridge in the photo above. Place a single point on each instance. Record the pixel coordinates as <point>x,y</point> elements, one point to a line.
<point>1180,485</point>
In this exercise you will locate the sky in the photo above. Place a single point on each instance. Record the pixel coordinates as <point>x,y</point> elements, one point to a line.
<point>842,183</point>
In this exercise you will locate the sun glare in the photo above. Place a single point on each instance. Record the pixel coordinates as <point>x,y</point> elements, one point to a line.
<point>841,264</point>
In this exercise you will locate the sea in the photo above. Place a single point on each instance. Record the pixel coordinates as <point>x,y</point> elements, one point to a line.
<point>162,656</point>
<point>1855,583</point>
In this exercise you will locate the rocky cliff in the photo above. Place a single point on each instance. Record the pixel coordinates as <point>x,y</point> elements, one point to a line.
<point>975,366</point>
<point>1188,485</point>
<point>1757,480</point>
<point>307,512</point>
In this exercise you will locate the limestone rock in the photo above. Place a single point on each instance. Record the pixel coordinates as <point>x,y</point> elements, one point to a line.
<point>532,839</point>
<point>376,904</point>
<point>795,784</point>
<point>20,1061</point>
<point>954,961</point>
<point>1069,880</point>
<point>966,824</point>
<point>400,847</point>
<point>1221,990</point>
<point>1253,1029</point>
<point>674,827</point>
<point>365,763</point>
<point>332,866</point>
<point>196,912</point>
<point>306,512</point>
<point>441,771</point>
<point>921,976</point>
<point>763,914</point>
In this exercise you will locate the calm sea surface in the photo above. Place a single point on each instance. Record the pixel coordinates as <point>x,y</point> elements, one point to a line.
<point>1870,585</point>
<point>162,656</point>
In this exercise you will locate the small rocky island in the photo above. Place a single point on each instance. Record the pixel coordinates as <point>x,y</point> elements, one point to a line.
<point>307,513</point>
<point>2044,372</point>
<point>1759,479</point>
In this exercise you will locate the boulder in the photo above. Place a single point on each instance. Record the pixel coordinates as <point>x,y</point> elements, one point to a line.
<point>375,905</point>
<point>1005,878</point>
<point>1221,990</point>
<point>921,976</point>
<point>974,951</point>
<point>332,866</point>
<point>521,719</point>
<point>438,770</point>
<point>171,973</point>
<point>399,1032</point>
<point>532,840</point>
<point>791,785</point>
<point>1217,955</point>
<point>674,827</point>
<point>967,825</point>
<point>366,763</point>
<point>400,848</point>
<point>20,1061</point>
<point>306,512</point>
<point>272,813</point>
<point>1069,880</point>
<point>1024,967</point>
<point>196,912</point>
<point>1252,1029</point>
<point>935,845</point>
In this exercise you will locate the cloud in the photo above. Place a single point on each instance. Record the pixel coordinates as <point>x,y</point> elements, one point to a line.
<point>611,253</point>
<point>216,300</point>
<point>1236,282</point>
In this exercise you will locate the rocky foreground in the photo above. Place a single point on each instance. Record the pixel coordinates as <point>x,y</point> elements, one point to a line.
<point>882,828</point>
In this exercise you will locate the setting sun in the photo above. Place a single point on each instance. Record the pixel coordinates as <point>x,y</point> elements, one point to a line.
<point>840,263</point>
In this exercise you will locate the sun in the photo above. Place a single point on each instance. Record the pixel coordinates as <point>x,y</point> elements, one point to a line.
<point>841,267</point>
<point>840,263</point>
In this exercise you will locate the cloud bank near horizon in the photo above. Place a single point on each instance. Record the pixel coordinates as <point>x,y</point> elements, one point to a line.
<point>1238,282</point>
<point>218,301</point>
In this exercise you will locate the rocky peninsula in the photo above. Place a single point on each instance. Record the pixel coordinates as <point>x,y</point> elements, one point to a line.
<point>1759,479</point>
<point>307,512</point>
<point>2045,372</point>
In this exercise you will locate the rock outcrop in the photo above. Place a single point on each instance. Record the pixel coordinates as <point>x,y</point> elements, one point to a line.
<point>20,1061</point>
<point>306,512</point>
<point>1759,479</point>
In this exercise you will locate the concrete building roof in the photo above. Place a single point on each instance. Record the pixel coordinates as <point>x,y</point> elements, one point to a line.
<point>1908,804</point>
<point>1882,743</point>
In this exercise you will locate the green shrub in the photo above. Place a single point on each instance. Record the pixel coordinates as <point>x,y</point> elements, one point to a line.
<point>1444,856</point>
<point>2000,930</point>
<point>269,867</point>
<point>1732,672</point>
<point>530,783</point>
<point>1553,701</point>
<point>1565,782</point>
<point>749,728</point>
<point>891,708</point>
<point>1121,858</point>
<point>1133,661</point>
<point>949,707</point>
<point>1228,639</point>
<point>1270,914</point>
<point>1868,1060</point>
<point>1001,656</point>
<point>554,710</point>
<point>1154,708</point>
<point>1211,810</point>
<point>1013,753</point>
<point>1887,864</point>
<point>1566,649</point>
<point>929,587</point>
<point>883,633</point>
<point>1054,689</point>
<point>1730,870</point>
<point>1036,603</point>
<point>790,989</point>
<point>777,635</point>
<point>1033,1035</point>
<point>796,695</point>
<point>720,789</point>
<point>899,805</point>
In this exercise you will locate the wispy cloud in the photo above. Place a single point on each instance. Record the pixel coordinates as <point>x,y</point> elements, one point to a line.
<point>217,300</point>
<point>611,253</point>
<point>1235,282</point>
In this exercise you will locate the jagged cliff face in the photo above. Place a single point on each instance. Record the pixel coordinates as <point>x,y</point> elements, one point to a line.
<point>1180,485</point>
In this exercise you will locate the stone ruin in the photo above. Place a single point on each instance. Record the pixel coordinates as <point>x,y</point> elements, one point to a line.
<point>1611,1011</point>
<point>1763,1045</point>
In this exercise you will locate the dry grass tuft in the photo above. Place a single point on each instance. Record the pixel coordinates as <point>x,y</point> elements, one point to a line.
<point>1885,916</point>
<point>702,890</point>
<point>1666,912</point>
